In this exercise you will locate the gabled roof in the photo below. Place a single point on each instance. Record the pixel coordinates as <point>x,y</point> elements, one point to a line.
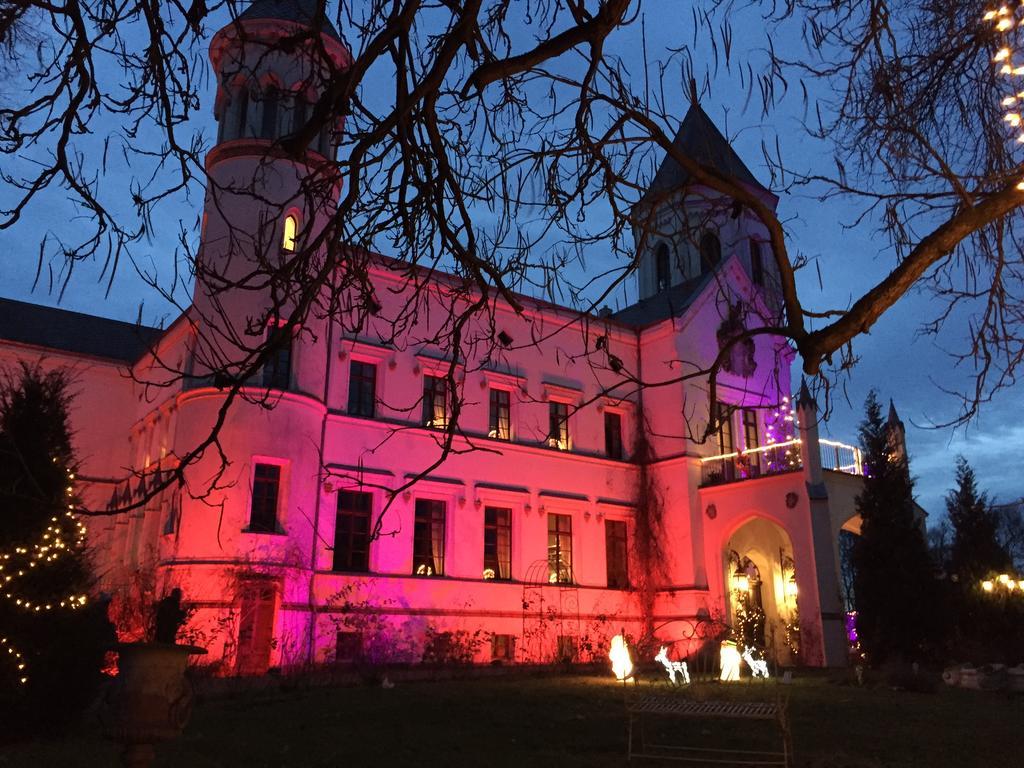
<point>671,302</point>
<point>300,11</point>
<point>74,332</point>
<point>700,139</point>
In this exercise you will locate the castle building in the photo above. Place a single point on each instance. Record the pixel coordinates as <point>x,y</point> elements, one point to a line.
<point>571,504</point>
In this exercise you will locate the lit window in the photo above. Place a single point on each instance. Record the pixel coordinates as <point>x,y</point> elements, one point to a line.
<point>497,543</point>
<point>266,486</point>
<point>291,226</point>
<point>435,402</point>
<point>559,549</point>
<point>428,538</point>
<point>558,425</point>
<point>500,426</point>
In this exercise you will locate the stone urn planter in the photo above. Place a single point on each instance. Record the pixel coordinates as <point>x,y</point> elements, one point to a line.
<point>150,700</point>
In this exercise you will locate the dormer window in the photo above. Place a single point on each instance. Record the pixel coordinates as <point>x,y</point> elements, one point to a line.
<point>662,268</point>
<point>710,251</point>
<point>756,265</point>
<point>291,226</point>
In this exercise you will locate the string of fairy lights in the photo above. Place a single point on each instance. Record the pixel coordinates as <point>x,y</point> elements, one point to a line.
<point>1006,24</point>
<point>56,541</point>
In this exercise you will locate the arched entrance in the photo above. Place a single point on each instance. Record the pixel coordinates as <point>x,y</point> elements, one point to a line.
<point>760,578</point>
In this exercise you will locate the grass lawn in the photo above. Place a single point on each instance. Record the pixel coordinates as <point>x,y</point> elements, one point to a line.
<point>560,722</point>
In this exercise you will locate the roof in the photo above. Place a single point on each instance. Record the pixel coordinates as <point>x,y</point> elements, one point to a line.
<point>700,139</point>
<point>300,11</point>
<point>74,332</point>
<point>671,302</point>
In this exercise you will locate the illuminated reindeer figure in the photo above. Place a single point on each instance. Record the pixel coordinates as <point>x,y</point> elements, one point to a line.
<point>673,666</point>
<point>758,667</point>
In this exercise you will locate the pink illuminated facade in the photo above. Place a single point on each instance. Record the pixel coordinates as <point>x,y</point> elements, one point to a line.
<point>523,537</point>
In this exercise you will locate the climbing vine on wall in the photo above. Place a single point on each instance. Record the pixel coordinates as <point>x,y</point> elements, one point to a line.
<point>648,536</point>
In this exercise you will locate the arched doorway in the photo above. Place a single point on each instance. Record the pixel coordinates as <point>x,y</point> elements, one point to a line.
<point>761,594</point>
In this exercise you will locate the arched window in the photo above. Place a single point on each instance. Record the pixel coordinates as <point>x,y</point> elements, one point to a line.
<point>298,113</point>
<point>710,251</point>
<point>291,226</point>
<point>662,268</point>
<point>241,112</point>
<point>756,265</point>
<point>268,125</point>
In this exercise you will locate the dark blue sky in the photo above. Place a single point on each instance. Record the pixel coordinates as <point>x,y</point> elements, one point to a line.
<point>893,359</point>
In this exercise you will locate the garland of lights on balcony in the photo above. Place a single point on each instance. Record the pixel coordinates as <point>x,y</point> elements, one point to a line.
<point>1005,23</point>
<point>64,534</point>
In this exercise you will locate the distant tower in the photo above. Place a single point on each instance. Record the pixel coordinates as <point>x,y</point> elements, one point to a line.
<point>681,236</point>
<point>896,434</point>
<point>272,186</point>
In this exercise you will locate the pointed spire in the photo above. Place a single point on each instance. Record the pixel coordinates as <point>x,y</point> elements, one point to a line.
<point>893,416</point>
<point>806,398</point>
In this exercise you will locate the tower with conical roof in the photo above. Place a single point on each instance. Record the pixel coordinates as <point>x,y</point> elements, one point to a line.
<point>272,185</point>
<point>684,230</point>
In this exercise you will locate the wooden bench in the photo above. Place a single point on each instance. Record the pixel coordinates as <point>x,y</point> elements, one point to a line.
<point>677,706</point>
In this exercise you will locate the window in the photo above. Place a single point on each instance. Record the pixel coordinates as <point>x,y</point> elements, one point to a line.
<point>558,425</point>
<point>566,650</point>
<point>268,123</point>
<point>500,425</point>
<point>613,435</point>
<point>710,251</point>
<point>277,371</point>
<point>428,538</point>
<point>751,461</point>
<point>435,402</point>
<point>559,549</point>
<point>348,646</point>
<point>266,487</point>
<point>616,554</point>
<point>362,388</point>
<point>750,438</point>
<point>352,531</point>
<point>497,543</point>
<point>298,114</point>
<point>756,265</point>
<point>242,112</point>
<point>503,647</point>
<point>662,268</point>
<point>291,226</point>
<point>723,418</point>
<point>173,516</point>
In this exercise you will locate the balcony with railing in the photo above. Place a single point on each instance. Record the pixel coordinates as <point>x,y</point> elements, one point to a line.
<point>777,459</point>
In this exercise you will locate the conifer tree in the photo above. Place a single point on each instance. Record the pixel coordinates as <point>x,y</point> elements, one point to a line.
<point>894,584</point>
<point>975,551</point>
<point>51,637</point>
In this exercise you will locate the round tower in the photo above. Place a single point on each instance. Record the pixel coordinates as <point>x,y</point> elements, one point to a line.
<point>242,546</point>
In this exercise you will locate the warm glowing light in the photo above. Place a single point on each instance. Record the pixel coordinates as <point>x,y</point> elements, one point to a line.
<point>1013,118</point>
<point>1011,585</point>
<point>758,667</point>
<point>488,573</point>
<point>987,585</point>
<point>673,667</point>
<point>622,665</point>
<point>1003,578</point>
<point>1002,54</point>
<point>741,582</point>
<point>290,231</point>
<point>730,659</point>
<point>791,587</point>
<point>1003,24</point>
